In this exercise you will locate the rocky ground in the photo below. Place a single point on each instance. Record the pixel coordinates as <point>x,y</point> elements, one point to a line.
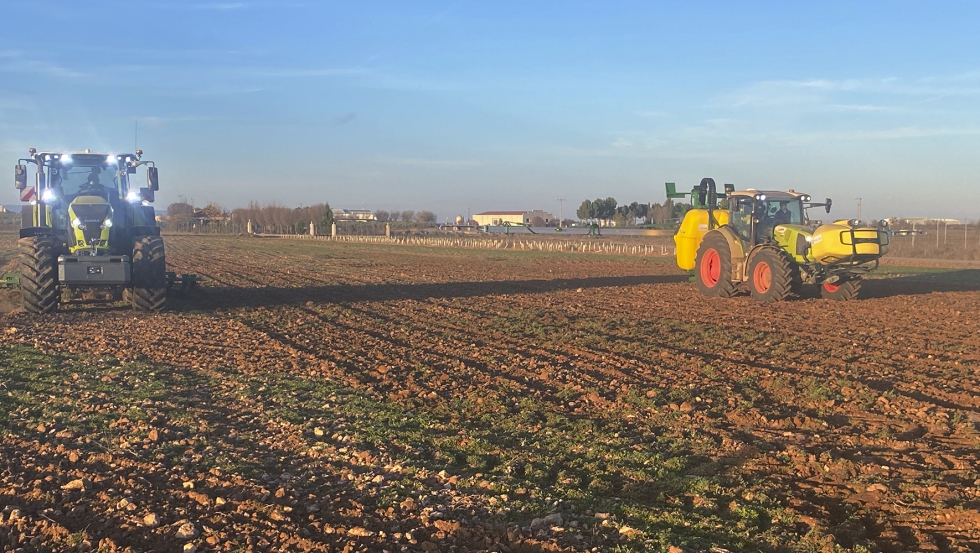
<point>319,397</point>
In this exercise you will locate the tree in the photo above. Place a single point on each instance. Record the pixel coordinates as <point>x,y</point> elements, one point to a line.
<point>585,211</point>
<point>408,216</point>
<point>426,217</point>
<point>326,219</point>
<point>382,215</point>
<point>180,211</point>
<point>607,208</point>
<point>212,211</point>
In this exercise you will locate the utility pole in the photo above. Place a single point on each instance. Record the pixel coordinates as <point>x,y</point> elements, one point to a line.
<point>561,216</point>
<point>859,208</point>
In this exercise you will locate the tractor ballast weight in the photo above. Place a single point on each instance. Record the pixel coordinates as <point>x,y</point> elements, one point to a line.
<point>765,242</point>
<point>88,231</point>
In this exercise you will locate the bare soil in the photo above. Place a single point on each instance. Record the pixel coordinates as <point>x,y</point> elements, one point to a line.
<point>315,396</point>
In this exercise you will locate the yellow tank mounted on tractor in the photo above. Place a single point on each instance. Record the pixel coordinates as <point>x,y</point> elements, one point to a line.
<point>765,242</point>
<point>89,232</point>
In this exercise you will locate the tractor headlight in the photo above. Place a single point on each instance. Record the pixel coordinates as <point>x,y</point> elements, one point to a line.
<point>107,223</point>
<point>133,196</point>
<point>806,198</point>
<point>77,223</point>
<point>65,159</point>
<point>110,159</point>
<point>49,195</point>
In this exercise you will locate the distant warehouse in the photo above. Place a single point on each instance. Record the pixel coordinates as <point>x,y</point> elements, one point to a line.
<point>535,218</point>
<point>354,215</point>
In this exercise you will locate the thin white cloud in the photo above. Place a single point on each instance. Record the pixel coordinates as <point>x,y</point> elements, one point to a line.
<point>897,133</point>
<point>429,163</point>
<point>296,72</point>
<point>222,6</point>
<point>862,107</point>
<point>13,61</point>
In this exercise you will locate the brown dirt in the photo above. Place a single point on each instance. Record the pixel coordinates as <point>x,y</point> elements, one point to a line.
<point>861,418</point>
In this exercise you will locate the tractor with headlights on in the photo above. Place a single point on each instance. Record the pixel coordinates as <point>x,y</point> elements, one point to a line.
<point>764,241</point>
<point>88,231</point>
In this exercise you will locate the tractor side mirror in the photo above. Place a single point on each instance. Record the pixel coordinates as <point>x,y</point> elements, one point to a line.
<point>153,178</point>
<point>829,203</point>
<point>146,194</point>
<point>20,177</point>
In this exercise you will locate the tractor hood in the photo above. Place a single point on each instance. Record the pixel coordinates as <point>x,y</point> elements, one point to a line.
<point>842,242</point>
<point>90,218</point>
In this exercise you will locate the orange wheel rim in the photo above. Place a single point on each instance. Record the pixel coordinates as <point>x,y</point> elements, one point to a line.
<point>831,287</point>
<point>762,277</point>
<point>711,268</point>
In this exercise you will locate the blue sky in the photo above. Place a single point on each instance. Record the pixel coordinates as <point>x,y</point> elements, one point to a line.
<point>456,106</point>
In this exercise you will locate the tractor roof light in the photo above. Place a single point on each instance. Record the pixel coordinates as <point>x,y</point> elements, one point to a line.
<point>65,159</point>
<point>110,159</point>
<point>133,196</point>
<point>760,197</point>
<point>49,195</point>
<point>806,198</point>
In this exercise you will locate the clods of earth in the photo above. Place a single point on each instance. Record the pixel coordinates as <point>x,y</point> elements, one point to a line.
<point>317,396</point>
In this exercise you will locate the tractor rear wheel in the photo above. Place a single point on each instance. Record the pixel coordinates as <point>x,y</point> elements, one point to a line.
<point>39,274</point>
<point>771,275</point>
<point>149,274</point>
<point>713,267</point>
<point>841,290</point>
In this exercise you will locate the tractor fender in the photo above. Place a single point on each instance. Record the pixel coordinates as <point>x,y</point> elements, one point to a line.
<point>738,253</point>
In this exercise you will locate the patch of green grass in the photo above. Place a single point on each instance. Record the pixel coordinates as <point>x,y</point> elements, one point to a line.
<point>533,450</point>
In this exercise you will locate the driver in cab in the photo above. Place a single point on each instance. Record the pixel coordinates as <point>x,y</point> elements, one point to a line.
<point>92,186</point>
<point>783,216</point>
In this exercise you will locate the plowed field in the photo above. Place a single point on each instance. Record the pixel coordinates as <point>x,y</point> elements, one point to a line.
<point>315,396</point>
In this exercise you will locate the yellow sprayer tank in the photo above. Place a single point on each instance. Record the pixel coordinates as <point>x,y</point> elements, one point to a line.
<point>838,241</point>
<point>692,230</point>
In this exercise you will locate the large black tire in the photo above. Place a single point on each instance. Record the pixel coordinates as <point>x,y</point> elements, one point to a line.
<point>841,290</point>
<point>713,267</point>
<point>149,274</point>
<point>771,275</point>
<point>39,274</point>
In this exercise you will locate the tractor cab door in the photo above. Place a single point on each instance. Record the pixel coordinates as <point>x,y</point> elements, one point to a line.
<point>743,211</point>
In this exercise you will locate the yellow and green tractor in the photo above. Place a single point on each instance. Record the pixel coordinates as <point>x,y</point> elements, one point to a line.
<point>764,242</point>
<point>89,231</point>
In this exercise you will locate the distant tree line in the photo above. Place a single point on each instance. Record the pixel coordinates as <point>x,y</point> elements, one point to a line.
<point>407,216</point>
<point>607,210</point>
<point>273,218</point>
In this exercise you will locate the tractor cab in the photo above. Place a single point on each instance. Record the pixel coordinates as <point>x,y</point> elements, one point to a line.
<point>755,214</point>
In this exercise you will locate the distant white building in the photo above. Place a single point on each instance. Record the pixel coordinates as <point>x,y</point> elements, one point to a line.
<point>535,217</point>
<point>354,215</point>
<point>922,221</point>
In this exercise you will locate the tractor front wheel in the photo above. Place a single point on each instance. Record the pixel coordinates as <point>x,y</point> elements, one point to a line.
<point>771,275</point>
<point>841,290</point>
<point>149,274</point>
<point>713,267</point>
<point>39,274</point>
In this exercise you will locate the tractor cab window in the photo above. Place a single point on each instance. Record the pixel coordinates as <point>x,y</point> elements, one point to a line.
<point>741,219</point>
<point>82,180</point>
<point>784,212</point>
